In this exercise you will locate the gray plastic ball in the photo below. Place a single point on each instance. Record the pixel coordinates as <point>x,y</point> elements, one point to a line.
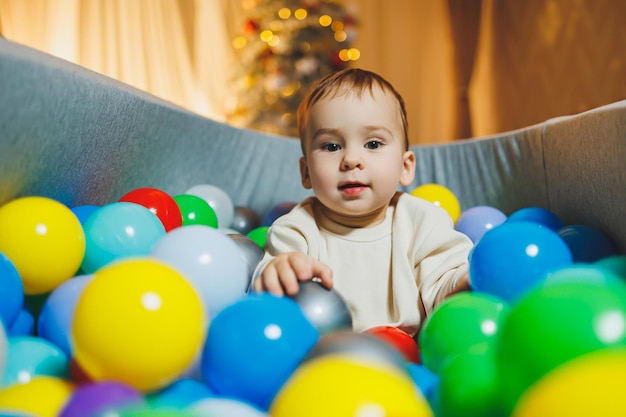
<point>324,307</point>
<point>245,220</point>
<point>362,347</point>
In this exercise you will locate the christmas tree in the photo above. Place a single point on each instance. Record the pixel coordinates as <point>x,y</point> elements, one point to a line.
<point>284,47</point>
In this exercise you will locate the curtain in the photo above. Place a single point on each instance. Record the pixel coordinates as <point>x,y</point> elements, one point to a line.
<point>465,25</point>
<point>176,49</point>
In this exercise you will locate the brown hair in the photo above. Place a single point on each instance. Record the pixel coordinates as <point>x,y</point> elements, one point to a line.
<point>349,80</point>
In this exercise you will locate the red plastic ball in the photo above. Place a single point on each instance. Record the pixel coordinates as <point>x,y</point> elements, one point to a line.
<point>159,202</point>
<point>399,339</point>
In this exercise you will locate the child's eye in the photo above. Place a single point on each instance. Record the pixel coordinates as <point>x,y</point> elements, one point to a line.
<point>374,144</point>
<point>331,147</point>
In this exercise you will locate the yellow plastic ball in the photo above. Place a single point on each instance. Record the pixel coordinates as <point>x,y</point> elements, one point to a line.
<point>140,322</point>
<point>44,240</point>
<point>42,396</point>
<point>590,385</point>
<point>440,196</point>
<point>335,385</point>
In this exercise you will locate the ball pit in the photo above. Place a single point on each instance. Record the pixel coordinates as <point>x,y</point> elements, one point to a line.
<point>168,329</point>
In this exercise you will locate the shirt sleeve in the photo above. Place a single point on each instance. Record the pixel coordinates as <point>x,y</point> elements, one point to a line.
<point>440,253</point>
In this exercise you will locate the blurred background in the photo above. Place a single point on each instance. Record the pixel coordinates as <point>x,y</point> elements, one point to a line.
<point>466,68</point>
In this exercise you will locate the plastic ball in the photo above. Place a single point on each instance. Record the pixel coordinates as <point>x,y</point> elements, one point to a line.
<point>587,244</point>
<point>276,211</point>
<point>211,262</point>
<point>581,272</point>
<point>615,264</point>
<point>250,251</point>
<point>180,394</point>
<point>117,231</point>
<point>590,385</point>
<point>83,212</point>
<point>4,348</point>
<point>476,221</point>
<point>259,235</point>
<point>155,412</point>
<point>226,407</point>
<point>360,347</point>
<point>138,322</point>
<point>218,199</point>
<point>195,210</point>
<point>244,220</point>
<point>343,387</point>
<point>426,380</point>
<point>399,339</point>
<point>469,385</point>
<point>571,318</point>
<point>99,397</point>
<point>12,297</point>
<point>23,325</point>
<point>324,308</point>
<point>44,240</point>
<point>514,257</point>
<point>51,394</point>
<point>158,202</point>
<point>54,322</point>
<point>458,323</point>
<point>29,357</point>
<point>274,329</point>
<point>440,196</point>
<point>537,215</point>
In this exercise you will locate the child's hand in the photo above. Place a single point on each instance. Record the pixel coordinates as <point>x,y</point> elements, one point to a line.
<point>282,274</point>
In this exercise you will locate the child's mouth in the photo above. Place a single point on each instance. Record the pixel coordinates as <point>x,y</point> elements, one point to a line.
<point>352,188</point>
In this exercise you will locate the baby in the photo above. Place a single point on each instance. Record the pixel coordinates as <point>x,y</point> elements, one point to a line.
<point>392,256</point>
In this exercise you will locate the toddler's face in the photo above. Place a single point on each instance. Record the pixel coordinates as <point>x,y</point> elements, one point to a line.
<point>355,157</point>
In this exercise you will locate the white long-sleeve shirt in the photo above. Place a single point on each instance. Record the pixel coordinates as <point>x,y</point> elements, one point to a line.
<point>393,273</point>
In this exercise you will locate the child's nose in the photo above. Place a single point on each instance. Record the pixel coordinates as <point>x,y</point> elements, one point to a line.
<point>352,159</point>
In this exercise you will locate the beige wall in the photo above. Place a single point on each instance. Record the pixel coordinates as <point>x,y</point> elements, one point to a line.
<point>536,59</point>
<point>407,42</point>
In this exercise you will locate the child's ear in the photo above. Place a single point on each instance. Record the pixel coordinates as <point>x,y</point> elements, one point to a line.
<point>304,174</point>
<point>408,168</point>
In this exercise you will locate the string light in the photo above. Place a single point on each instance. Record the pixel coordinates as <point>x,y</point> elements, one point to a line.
<point>325,20</point>
<point>284,13</point>
<point>300,14</point>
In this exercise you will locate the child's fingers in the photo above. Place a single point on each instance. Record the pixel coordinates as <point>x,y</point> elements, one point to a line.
<point>307,268</point>
<point>288,277</point>
<point>269,281</point>
<point>324,273</point>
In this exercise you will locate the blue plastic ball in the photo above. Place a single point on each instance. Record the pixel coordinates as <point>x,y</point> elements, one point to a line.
<point>514,257</point>
<point>12,291</point>
<point>180,394</point>
<point>277,211</point>
<point>55,319</point>
<point>119,230</point>
<point>254,345</point>
<point>23,325</point>
<point>476,221</point>
<point>538,215</point>
<point>587,243</point>
<point>30,356</point>
<point>83,212</point>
